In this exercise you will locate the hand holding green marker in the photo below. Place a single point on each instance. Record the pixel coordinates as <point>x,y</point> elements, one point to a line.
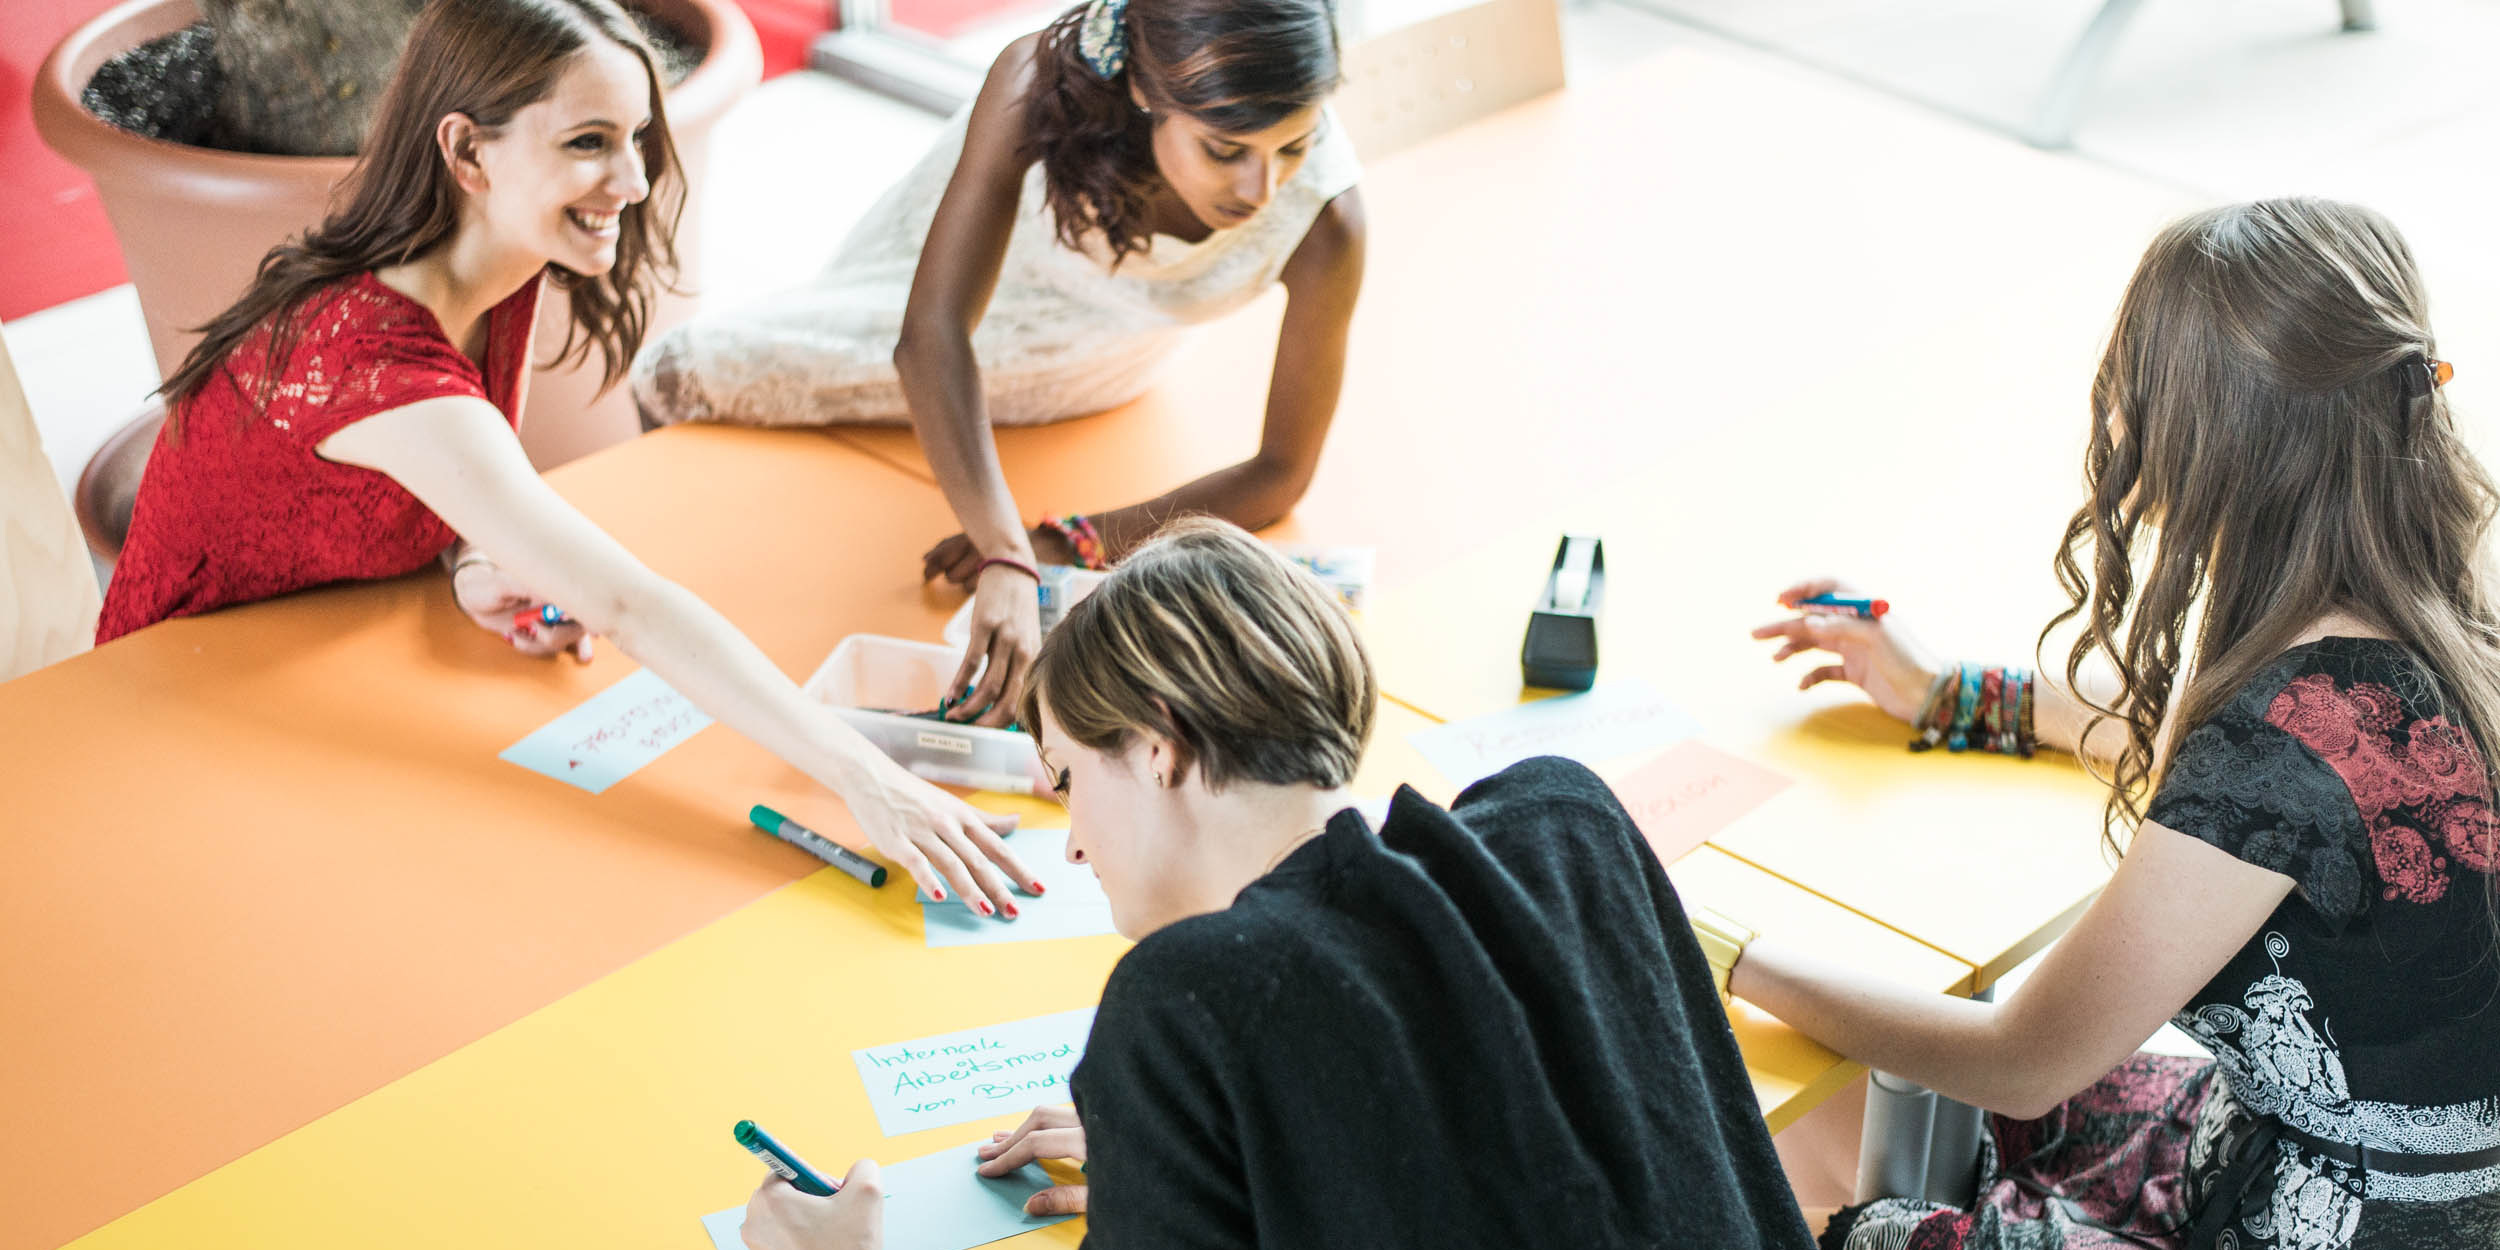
<point>867,870</point>
<point>784,1164</point>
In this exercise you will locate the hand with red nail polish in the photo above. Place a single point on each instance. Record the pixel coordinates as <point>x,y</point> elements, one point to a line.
<point>946,845</point>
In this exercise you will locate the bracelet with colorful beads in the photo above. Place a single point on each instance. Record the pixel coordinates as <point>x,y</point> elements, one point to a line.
<point>1082,538</point>
<point>1935,715</point>
<point>1987,707</point>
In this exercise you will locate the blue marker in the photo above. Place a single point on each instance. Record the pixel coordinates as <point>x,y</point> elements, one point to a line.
<point>1868,609</point>
<point>547,614</point>
<point>784,1164</point>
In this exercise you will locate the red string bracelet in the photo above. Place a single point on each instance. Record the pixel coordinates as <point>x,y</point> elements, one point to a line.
<point>1008,562</point>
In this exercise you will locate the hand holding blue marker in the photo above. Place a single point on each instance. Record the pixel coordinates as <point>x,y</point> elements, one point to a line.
<point>547,614</point>
<point>1836,605</point>
<point>784,1164</point>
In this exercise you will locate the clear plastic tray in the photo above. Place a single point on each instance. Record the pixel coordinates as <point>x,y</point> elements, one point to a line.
<point>871,681</point>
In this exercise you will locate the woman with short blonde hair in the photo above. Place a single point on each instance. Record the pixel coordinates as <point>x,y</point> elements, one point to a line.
<point>1330,1037</point>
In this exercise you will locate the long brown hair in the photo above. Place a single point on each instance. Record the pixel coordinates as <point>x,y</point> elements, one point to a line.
<point>487,59</point>
<point>1240,66</point>
<point>2265,448</point>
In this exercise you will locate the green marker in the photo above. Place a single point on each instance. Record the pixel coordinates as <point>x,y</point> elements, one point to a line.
<point>818,845</point>
<point>784,1164</point>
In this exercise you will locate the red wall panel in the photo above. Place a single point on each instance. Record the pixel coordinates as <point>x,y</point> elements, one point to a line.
<point>54,242</point>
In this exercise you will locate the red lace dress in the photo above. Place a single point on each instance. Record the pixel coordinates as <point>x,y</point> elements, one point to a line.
<point>239,506</point>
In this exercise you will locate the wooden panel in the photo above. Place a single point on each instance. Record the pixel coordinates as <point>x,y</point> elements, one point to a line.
<point>1409,84</point>
<point>48,593</point>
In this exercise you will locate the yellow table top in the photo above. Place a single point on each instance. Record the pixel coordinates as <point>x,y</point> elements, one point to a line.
<point>1985,858</point>
<point>603,1118</point>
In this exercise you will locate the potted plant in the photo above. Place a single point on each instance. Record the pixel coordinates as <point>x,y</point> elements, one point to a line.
<point>299,76</point>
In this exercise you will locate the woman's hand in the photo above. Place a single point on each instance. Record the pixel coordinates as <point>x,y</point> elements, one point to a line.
<point>1049,1133</point>
<point>958,561</point>
<point>1873,657</point>
<point>781,1218</point>
<point>1007,633</point>
<point>941,841</point>
<point>504,607</point>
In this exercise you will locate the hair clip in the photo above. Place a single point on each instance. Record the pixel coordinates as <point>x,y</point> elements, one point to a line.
<point>1102,37</point>
<point>2419,374</point>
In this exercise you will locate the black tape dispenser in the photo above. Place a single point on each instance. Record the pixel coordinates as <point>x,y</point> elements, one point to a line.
<point>1561,648</point>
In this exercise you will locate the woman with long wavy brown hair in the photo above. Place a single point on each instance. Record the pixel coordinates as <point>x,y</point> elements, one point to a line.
<point>352,415</point>
<point>1137,167</point>
<point>2282,560</point>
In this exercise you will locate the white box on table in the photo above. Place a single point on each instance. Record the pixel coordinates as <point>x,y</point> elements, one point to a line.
<point>873,681</point>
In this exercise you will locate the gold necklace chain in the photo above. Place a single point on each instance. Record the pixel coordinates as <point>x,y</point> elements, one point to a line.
<point>1290,847</point>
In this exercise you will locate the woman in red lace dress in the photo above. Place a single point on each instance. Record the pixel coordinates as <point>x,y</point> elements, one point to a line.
<point>353,414</point>
<point>2309,887</point>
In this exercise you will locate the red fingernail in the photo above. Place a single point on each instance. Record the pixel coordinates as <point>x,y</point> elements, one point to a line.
<point>982,906</point>
<point>937,894</point>
<point>1036,887</point>
<point>1008,908</point>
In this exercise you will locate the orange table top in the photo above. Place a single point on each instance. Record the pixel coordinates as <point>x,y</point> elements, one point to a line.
<point>266,859</point>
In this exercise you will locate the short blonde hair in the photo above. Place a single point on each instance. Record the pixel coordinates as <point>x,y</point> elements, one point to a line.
<point>1208,637</point>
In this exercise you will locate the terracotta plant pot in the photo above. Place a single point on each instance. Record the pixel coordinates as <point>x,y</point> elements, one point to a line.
<point>194,222</point>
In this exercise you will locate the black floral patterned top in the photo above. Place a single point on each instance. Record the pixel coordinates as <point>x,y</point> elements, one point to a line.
<point>2367,1010</point>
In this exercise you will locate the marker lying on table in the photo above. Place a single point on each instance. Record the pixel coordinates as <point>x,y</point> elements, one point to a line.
<point>817,844</point>
<point>1834,605</point>
<point>783,1163</point>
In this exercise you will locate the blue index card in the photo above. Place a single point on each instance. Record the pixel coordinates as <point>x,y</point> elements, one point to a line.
<point>611,734</point>
<point>1071,903</point>
<point>1618,718</point>
<point>930,1082</point>
<point>934,1202</point>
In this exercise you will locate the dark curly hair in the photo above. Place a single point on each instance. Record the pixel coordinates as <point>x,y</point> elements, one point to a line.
<point>1239,66</point>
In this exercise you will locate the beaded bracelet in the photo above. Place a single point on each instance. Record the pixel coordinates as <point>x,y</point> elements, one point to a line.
<point>1969,705</point>
<point>1082,537</point>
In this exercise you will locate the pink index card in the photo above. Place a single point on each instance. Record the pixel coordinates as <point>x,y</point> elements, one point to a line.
<point>1690,792</point>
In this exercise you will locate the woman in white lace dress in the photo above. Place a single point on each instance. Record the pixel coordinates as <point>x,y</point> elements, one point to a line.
<point>1131,170</point>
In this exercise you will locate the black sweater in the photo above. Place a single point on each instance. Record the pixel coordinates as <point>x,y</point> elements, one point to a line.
<point>1488,1026</point>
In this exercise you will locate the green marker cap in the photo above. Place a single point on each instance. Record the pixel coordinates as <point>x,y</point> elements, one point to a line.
<point>766,819</point>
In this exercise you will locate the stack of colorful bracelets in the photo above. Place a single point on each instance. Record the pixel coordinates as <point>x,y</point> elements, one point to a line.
<point>1082,538</point>
<point>1971,706</point>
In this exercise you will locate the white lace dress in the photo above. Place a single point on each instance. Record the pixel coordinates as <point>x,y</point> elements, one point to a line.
<point>1065,333</point>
